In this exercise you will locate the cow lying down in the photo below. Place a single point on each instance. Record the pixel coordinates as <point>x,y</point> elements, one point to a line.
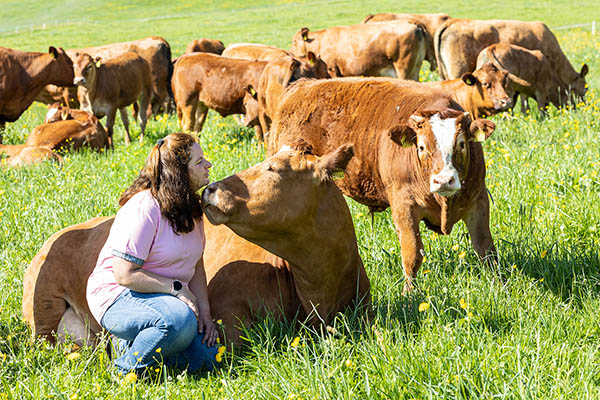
<point>19,155</point>
<point>296,253</point>
<point>417,151</point>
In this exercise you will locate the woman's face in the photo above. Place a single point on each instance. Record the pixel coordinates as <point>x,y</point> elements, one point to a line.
<point>198,168</point>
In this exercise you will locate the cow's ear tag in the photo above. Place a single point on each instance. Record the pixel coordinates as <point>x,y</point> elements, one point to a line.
<point>337,175</point>
<point>480,136</point>
<point>98,64</point>
<point>252,91</point>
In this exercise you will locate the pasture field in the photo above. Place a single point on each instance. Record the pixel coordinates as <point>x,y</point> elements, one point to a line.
<point>528,328</point>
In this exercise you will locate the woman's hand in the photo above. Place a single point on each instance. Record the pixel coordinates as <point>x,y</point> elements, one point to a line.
<point>206,325</point>
<point>188,298</point>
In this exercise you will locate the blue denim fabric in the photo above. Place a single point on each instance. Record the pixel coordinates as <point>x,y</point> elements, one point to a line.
<point>145,322</point>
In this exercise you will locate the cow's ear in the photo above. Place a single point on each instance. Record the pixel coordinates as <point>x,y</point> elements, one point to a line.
<point>403,135</point>
<point>294,65</point>
<point>311,57</point>
<point>53,52</point>
<point>98,62</point>
<point>469,79</point>
<point>481,129</point>
<point>304,33</point>
<point>584,70</point>
<point>251,91</point>
<point>333,164</point>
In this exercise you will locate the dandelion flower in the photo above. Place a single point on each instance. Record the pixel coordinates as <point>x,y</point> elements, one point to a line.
<point>219,357</point>
<point>462,254</point>
<point>349,363</point>
<point>455,247</point>
<point>74,396</point>
<point>136,353</point>
<point>158,350</point>
<point>98,388</point>
<point>514,266</point>
<point>131,377</point>
<point>423,307</point>
<point>295,342</point>
<point>544,253</point>
<point>73,356</point>
<point>463,303</point>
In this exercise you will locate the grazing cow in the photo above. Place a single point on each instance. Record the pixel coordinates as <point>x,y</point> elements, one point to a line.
<point>24,74</point>
<point>417,152</point>
<point>458,43</point>
<point>76,131</point>
<point>205,46</point>
<point>431,22</point>
<point>307,265</point>
<point>487,91</point>
<point>154,49</point>
<point>105,87</point>
<point>203,80</point>
<point>396,49</point>
<point>51,94</point>
<point>21,155</point>
<point>536,77</point>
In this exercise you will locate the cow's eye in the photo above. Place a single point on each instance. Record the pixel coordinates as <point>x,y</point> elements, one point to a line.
<point>462,145</point>
<point>421,148</point>
<point>270,168</point>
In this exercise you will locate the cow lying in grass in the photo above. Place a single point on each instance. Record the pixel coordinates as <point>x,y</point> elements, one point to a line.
<point>296,254</point>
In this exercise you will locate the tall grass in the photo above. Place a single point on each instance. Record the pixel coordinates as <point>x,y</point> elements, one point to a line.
<point>528,328</point>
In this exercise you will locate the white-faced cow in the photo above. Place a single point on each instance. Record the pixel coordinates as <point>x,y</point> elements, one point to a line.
<point>417,151</point>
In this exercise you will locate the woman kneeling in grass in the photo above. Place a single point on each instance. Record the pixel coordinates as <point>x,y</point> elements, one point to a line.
<point>148,288</point>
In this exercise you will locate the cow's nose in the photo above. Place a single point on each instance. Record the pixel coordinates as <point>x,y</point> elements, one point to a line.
<point>79,80</point>
<point>440,182</point>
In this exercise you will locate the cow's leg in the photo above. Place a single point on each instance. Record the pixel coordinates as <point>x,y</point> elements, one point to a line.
<point>524,103</point>
<point>47,314</point>
<point>265,124</point>
<point>186,112</point>
<point>110,123</point>
<point>125,120</point>
<point>201,113</point>
<point>407,229</point>
<point>542,103</point>
<point>145,111</point>
<point>478,225</point>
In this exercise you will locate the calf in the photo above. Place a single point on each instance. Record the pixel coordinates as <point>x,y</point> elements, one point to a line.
<point>202,81</point>
<point>24,74</point>
<point>59,112</point>
<point>395,49</point>
<point>531,71</point>
<point>417,151</point>
<point>105,87</point>
<point>458,43</point>
<point>70,134</point>
<point>205,46</point>
<point>21,155</point>
<point>487,91</point>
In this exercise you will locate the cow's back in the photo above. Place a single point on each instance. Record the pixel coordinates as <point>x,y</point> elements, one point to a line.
<point>254,51</point>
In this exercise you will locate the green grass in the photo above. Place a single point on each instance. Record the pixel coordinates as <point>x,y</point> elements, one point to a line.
<point>528,328</point>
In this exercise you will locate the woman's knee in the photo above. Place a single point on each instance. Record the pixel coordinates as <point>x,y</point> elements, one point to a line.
<point>180,324</point>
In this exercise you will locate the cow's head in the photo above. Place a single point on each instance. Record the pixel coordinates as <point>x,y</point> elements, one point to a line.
<point>85,68</point>
<point>250,107</point>
<point>492,90</point>
<point>56,112</point>
<point>62,66</point>
<point>442,140</point>
<point>277,197</point>
<point>299,42</point>
<point>319,66</point>
<point>578,87</point>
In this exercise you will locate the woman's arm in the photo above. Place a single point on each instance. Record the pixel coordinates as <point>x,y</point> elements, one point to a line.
<point>133,277</point>
<point>200,290</point>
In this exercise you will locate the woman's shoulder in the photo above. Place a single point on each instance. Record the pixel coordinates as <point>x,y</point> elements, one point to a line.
<point>142,201</point>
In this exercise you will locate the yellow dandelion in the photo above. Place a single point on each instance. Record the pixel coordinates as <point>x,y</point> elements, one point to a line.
<point>426,271</point>
<point>219,322</point>
<point>136,353</point>
<point>3,356</point>
<point>158,350</point>
<point>514,266</point>
<point>98,388</point>
<point>157,370</point>
<point>544,253</point>
<point>541,279</point>
<point>462,254</point>
<point>423,307</point>
<point>463,303</point>
<point>219,357</point>
<point>470,314</point>
<point>131,377</point>
<point>73,356</point>
<point>221,350</point>
<point>349,363</point>
<point>455,247</point>
<point>295,342</point>
<point>74,396</point>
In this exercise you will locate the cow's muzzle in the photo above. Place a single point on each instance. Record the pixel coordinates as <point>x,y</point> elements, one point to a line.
<point>503,104</point>
<point>79,80</point>
<point>445,184</point>
<point>213,204</point>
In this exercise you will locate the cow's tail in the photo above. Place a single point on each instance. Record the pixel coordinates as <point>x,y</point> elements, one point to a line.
<point>437,44</point>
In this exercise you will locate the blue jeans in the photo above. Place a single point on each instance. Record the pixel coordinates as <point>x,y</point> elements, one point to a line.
<point>154,328</point>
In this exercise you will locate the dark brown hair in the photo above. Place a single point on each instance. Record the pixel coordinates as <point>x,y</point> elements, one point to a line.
<point>166,174</point>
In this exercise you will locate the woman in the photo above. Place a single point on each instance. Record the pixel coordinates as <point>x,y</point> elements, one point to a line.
<point>149,286</point>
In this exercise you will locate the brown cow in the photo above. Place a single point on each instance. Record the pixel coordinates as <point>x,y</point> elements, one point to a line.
<point>487,91</point>
<point>287,205</point>
<point>24,74</point>
<point>105,87</point>
<point>59,112</point>
<point>154,49</point>
<point>458,43</point>
<point>205,46</point>
<point>417,152</point>
<point>70,134</point>
<point>537,78</point>
<point>203,80</point>
<point>431,22</point>
<point>395,49</point>
<point>21,155</point>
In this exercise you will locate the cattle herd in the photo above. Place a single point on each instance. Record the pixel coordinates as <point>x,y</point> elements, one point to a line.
<point>346,98</point>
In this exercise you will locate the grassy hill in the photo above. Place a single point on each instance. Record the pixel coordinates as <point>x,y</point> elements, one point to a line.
<point>529,328</point>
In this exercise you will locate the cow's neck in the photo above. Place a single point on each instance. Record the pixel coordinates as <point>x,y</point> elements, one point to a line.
<point>465,99</point>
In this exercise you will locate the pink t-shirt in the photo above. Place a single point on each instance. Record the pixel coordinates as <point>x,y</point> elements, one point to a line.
<point>141,234</point>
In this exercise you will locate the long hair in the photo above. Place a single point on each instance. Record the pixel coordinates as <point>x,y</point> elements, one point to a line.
<point>165,173</point>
